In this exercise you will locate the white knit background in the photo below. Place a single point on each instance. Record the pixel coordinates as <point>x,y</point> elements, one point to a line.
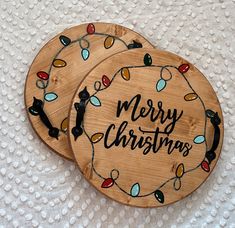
<point>40,189</point>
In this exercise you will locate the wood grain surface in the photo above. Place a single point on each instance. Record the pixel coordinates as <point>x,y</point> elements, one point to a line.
<point>58,69</point>
<point>152,130</point>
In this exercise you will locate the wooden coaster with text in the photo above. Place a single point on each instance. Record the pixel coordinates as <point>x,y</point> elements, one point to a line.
<point>145,127</point>
<point>58,69</point>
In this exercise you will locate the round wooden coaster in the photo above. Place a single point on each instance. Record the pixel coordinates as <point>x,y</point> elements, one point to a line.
<point>60,66</point>
<point>146,127</point>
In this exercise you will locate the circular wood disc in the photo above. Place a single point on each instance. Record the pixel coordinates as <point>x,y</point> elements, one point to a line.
<point>60,66</point>
<point>152,129</point>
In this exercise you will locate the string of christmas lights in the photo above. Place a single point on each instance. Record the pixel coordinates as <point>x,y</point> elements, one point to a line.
<point>43,76</point>
<point>161,84</point>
